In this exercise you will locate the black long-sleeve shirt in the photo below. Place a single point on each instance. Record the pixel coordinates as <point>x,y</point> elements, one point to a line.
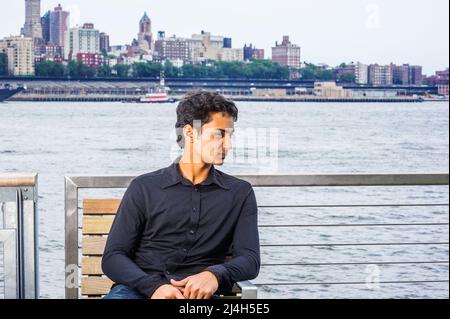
<point>166,227</point>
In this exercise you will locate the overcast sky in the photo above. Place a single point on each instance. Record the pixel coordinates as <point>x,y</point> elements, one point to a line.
<point>329,31</point>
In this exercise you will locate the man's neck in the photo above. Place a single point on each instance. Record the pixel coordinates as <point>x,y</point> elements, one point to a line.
<point>195,171</point>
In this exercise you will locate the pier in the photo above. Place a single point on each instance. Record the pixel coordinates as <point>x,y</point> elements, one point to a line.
<point>239,98</point>
<point>130,90</point>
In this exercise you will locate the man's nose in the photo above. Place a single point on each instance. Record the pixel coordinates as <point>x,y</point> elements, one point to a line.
<point>227,145</point>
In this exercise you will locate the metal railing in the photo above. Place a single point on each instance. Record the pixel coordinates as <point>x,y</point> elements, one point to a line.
<point>19,235</point>
<point>74,183</point>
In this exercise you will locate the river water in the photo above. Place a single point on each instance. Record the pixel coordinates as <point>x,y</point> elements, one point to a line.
<point>59,139</point>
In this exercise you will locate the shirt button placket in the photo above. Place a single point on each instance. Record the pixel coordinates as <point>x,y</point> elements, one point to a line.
<point>195,210</point>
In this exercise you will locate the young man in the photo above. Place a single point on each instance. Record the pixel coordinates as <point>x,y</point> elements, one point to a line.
<point>174,227</point>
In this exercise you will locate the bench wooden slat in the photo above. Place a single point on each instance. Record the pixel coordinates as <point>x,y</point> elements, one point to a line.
<point>97,225</point>
<point>95,285</point>
<point>93,246</point>
<point>17,180</point>
<point>91,266</point>
<point>93,206</point>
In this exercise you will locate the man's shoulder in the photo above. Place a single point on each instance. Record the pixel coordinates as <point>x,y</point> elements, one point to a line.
<point>151,177</point>
<point>234,182</point>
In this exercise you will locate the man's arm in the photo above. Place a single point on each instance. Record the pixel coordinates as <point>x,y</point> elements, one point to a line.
<point>123,238</point>
<point>246,261</point>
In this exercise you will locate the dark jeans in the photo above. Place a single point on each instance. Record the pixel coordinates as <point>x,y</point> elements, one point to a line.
<point>124,292</point>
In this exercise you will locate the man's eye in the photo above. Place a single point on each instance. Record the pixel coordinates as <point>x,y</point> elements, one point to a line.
<point>222,134</point>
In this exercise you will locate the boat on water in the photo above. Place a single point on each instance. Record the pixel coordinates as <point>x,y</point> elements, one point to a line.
<point>158,96</point>
<point>7,91</point>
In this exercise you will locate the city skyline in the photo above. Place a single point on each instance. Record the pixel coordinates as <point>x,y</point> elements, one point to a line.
<point>425,44</point>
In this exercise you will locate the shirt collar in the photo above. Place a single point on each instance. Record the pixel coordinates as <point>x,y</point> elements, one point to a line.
<point>173,176</point>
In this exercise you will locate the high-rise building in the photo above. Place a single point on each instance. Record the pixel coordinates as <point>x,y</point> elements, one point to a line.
<point>407,74</point>
<point>48,52</point>
<point>345,70</point>
<point>20,52</point>
<point>92,60</point>
<point>198,49</point>
<point>248,52</point>
<point>361,73</point>
<point>171,48</point>
<point>54,26</point>
<point>206,38</point>
<point>104,42</point>
<point>286,53</point>
<point>145,35</point>
<point>227,43</point>
<point>229,55</point>
<point>415,75</point>
<point>161,35</point>
<point>45,22</point>
<point>440,77</point>
<point>259,54</point>
<point>252,53</point>
<point>81,40</point>
<point>441,80</point>
<point>59,24</point>
<point>380,75</point>
<point>443,76</point>
<point>205,46</point>
<point>32,27</point>
<point>400,74</point>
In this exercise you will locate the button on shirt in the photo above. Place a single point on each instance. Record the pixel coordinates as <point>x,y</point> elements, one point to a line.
<point>166,227</point>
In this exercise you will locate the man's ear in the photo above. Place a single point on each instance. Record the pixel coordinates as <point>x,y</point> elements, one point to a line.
<point>188,132</point>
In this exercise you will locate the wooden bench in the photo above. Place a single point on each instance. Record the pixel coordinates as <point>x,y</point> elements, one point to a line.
<point>98,215</point>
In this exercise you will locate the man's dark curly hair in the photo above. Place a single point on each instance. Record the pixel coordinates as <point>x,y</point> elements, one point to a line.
<point>199,106</point>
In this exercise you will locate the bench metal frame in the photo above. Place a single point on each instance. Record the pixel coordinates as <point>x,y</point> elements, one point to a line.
<point>18,201</point>
<point>8,239</point>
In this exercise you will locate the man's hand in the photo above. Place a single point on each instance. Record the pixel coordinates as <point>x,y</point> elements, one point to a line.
<point>167,292</point>
<point>200,286</point>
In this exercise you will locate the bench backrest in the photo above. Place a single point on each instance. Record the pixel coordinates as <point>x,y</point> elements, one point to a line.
<point>98,215</point>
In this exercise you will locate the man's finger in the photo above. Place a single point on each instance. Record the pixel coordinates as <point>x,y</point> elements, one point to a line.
<point>182,282</point>
<point>187,293</point>
<point>201,295</point>
<point>179,295</point>
<point>194,295</point>
<point>181,289</point>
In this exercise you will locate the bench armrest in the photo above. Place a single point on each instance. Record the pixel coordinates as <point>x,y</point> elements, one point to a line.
<point>248,290</point>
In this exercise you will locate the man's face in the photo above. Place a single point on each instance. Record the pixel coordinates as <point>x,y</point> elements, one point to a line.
<point>215,140</point>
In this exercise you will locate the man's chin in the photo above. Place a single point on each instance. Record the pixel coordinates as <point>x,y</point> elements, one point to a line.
<point>219,162</point>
